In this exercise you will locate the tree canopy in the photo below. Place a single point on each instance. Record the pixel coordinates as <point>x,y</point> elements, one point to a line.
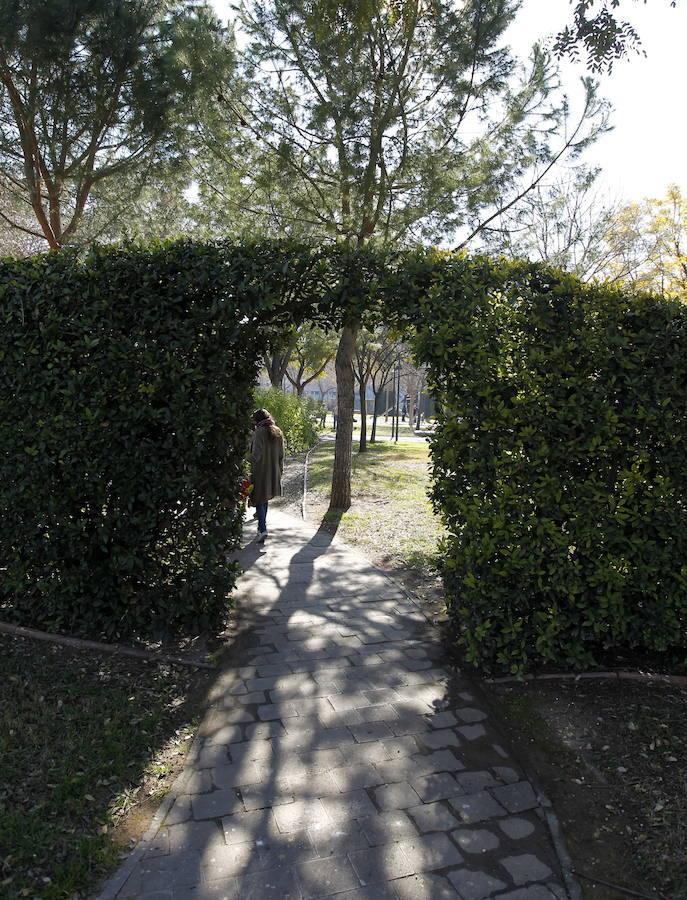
<point>398,121</point>
<point>568,223</point>
<point>656,230</point>
<point>312,352</point>
<point>571,225</point>
<point>390,122</point>
<point>94,89</point>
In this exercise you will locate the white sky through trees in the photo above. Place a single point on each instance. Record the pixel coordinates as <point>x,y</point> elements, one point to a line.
<point>646,151</point>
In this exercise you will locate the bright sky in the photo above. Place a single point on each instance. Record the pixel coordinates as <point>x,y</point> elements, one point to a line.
<point>646,151</point>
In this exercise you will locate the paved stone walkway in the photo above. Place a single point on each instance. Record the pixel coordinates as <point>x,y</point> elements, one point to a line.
<point>339,758</point>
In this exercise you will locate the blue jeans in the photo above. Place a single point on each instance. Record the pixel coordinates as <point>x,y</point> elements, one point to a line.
<point>261,510</point>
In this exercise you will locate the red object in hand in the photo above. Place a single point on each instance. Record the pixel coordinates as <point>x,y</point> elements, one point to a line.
<point>246,488</point>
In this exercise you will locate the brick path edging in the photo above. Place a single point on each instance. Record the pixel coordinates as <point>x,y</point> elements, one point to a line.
<point>555,831</point>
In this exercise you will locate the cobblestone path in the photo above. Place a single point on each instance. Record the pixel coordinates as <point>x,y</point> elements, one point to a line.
<point>339,757</point>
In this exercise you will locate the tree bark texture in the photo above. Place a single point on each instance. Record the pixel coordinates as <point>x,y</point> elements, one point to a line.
<point>343,448</point>
<point>276,365</point>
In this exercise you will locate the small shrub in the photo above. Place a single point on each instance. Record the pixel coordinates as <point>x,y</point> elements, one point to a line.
<point>298,417</point>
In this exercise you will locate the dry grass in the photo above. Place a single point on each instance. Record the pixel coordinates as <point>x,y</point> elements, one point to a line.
<point>391,518</point>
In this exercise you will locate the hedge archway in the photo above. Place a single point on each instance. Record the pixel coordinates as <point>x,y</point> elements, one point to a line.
<point>558,463</point>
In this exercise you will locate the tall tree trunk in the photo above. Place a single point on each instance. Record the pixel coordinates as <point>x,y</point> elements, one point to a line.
<point>276,369</point>
<point>277,358</point>
<point>343,448</point>
<point>362,446</point>
<point>375,413</point>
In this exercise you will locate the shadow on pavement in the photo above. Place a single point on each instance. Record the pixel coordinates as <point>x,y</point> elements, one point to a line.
<point>338,757</point>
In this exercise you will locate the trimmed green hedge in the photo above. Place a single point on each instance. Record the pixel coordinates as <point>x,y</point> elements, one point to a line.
<point>560,460</point>
<point>125,401</point>
<point>560,457</point>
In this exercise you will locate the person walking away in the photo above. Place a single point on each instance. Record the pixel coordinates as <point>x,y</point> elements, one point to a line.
<point>267,466</point>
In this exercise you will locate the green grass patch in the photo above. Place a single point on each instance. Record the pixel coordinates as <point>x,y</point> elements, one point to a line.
<point>383,428</point>
<point>391,518</point>
<point>79,737</point>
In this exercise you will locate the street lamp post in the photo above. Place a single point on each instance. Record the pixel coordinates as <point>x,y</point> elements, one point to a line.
<point>397,403</point>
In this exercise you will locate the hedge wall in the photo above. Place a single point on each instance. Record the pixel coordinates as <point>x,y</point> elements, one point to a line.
<point>125,397</point>
<point>560,460</point>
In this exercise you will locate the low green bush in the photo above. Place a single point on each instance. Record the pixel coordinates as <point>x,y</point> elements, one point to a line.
<point>559,461</point>
<point>298,417</point>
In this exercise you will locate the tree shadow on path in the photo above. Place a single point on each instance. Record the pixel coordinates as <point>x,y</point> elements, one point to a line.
<point>337,756</point>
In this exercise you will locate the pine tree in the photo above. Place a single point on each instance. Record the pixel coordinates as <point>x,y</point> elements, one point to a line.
<point>93,90</point>
<point>396,121</point>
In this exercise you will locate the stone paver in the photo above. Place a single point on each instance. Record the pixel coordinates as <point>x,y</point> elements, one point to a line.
<point>477,807</point>
<point>474,884</point>
<point>387,827</point>
<point>516,797</point>
<point>516,828</point>
<point>433,817</point>
<point>424,887</point>
<point>339,757</point>
<point>526,868</point>
<point>475,840</point>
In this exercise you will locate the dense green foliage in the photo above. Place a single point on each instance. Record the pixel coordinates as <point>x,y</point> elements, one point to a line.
<point>559,457</point>
<point>298,417</point>
<point>98,92</point>
<point>348,121</point>
<point>560,467</point>
<point>126,393</point>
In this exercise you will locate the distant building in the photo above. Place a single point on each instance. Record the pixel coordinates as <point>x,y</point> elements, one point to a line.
<point>323,390</point>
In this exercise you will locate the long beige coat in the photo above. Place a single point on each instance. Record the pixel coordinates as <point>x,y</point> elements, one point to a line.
<point>267,466</point>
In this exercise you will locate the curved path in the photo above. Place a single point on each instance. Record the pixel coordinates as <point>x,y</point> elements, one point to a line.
<point>339,757</point>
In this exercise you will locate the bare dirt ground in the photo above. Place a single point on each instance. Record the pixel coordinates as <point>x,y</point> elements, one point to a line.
<point>611,756</point>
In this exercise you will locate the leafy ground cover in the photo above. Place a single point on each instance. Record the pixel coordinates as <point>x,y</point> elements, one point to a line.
<point>88,745</point>
<point>612,757</point>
